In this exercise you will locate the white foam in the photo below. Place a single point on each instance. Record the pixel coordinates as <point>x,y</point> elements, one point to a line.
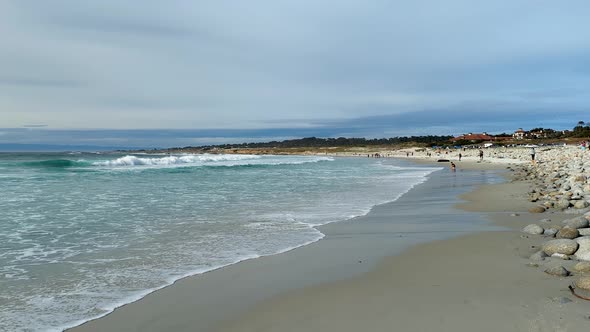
<point>130,160</point>
<point>206,160</point>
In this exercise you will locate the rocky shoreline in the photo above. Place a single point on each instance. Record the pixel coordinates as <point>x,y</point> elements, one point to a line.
<point>561,183</point>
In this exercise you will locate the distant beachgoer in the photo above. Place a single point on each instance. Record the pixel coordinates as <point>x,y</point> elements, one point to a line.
<point>460,155</point>
<point>532,153</point>
<point>480,154</point>
<point>453,167</point>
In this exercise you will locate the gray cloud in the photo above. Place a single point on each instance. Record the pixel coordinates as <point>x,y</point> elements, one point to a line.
<point>268,65</point>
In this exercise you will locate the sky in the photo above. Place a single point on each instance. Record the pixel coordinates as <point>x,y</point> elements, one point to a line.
<point>178,73</point>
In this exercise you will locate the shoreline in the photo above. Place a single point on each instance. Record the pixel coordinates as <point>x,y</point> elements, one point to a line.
<point>342,270</point>
<point>531,300</point>
<point>485,281</point>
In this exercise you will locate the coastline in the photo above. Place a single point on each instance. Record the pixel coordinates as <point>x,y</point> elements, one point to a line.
<point>482,281</point>
<point>350,247</point>
<point>474,275</point>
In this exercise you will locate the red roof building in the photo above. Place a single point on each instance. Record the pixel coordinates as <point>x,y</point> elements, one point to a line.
<point>474,137</point>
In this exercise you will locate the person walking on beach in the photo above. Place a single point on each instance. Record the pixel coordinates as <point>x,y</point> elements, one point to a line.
<point>460,156</point>
<point>532,153</point>
<point>480,154</point>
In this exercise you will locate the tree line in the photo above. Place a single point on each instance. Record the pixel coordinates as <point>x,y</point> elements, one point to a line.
<point>335,142</point>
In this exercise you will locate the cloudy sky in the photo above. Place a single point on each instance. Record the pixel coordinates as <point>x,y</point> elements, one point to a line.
<point>162,73</point>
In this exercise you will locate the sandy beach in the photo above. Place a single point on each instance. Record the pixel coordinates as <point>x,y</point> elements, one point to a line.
<point>453,264</point>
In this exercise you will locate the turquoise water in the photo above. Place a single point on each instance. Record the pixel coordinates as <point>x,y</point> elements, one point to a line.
<point>81,234</point>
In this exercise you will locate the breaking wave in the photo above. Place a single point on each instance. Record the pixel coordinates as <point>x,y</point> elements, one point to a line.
<point>206,160</point>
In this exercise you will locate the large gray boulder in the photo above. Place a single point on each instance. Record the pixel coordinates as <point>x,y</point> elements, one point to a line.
<point>550,231</point>
<point>567,233</point>
<point>560,246</point>
<point>581,204</point>
<point>582,267</point>
<point>578,222</point>
<point>583,252</point>
<point>584,231</point>
<point>562,204</point>
<point>533,229</point>
<point>537,209</point>
<point>538,256</point>
<point>557,270</point>
<point>583,283</point>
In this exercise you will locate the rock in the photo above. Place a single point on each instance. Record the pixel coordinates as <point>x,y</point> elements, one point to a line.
<point>538,256</point>
<point>584,231</point>
<point>567,233</point>
<point>558,271</point>
<point>537,209</point>
<point>546,220</point>
<point>583,252</point>
<point>581,204</point>
<point>583,283</point>
<point>582,267</point>
<point>550,232</point>
<point>533,229</point>
<point>515,215</point>
<point>578,222</point>
<point>561,256</point>
<point>562,204</point>
<point>561,246</point>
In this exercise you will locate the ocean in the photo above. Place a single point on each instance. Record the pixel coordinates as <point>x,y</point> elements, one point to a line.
<point>84,233</point>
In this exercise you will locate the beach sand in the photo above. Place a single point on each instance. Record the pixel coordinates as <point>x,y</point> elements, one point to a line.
<point>362,276</point>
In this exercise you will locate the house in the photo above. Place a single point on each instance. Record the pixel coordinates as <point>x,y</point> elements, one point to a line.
<point>473,137</point>
<point>520,134</point>
<point>538,133</point>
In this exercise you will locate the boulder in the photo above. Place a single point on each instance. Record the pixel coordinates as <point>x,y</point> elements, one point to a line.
<point>581,204</point>
<point>583,251</point>
<point>582,267</point>
<point>557,270</point>
<point>550,232</point>
<point>537,209</point>
<point>538,256</point>
<point>533,229</point>
<point>562,204</point>
<point>584,231</point>
<point>560,246</point>
<point>567,233</point>
<point>578,222</point>
<point>583,283</point>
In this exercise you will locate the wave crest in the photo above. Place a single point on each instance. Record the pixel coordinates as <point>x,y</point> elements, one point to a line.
<point>172,160</point>
<point>207,160</point>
